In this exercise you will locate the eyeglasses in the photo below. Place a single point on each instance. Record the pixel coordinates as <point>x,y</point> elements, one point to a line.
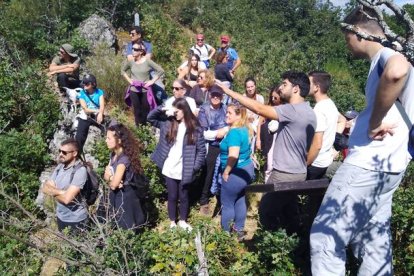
<point>64,152</point>
<point>138,49</point>
<point>133,34</point>
<point>177,88</point>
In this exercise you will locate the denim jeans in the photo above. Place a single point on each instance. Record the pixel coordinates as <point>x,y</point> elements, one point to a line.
<point>233,198</point>
<point>355,212</point>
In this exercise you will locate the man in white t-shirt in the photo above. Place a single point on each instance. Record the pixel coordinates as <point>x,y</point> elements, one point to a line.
<point>203,50</point>
<point>321,154</point>
<point>356,209</point>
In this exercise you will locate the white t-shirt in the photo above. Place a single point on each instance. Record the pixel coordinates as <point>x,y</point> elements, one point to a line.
<point>326,121</point>
<point>201,65</point>
<point>390,154</point>
<point>168,103</point>
<point>202,51</point>
<point>251,114</point>
<point>173,165</point>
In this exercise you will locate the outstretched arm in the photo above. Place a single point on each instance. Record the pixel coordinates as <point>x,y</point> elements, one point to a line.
<point>391,83</point>
<point>266,111</point>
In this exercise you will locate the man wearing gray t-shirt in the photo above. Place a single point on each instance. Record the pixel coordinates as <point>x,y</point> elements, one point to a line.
<point>65,186</point>
<point>297,124</point>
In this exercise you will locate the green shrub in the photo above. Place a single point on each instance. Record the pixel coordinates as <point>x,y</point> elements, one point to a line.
<point>106,66</point>
<point>403,228</point>
<point>275,252</point>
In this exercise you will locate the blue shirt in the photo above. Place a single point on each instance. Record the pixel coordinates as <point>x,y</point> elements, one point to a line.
<point>236,137</point>
<point>233,56</point>
<point>94,96</point>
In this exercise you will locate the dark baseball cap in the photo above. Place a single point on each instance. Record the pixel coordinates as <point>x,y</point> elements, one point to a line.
<point>216,90</point>
<point>89,78</point>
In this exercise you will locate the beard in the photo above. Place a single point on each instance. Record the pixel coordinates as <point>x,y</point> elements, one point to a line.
<point>285,98</point>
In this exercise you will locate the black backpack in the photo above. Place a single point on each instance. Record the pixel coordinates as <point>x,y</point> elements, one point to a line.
<point>140,184</point>
<point>90,190</point>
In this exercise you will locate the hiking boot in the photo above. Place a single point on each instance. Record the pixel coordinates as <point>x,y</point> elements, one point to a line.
<point>184,225</point>
<point>205,210</point>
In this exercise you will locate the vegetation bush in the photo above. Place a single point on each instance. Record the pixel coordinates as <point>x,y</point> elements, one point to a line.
<point>270,36</point>
<point>402,225</point>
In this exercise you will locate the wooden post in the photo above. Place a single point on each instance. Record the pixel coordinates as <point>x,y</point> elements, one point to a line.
<point>202,269</point>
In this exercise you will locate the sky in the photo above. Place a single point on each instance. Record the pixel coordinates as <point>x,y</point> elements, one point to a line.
<point>398,2</point>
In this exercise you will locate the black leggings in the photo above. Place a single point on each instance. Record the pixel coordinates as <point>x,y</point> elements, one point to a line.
<point>140,106</point>
<point>213,152</point>
<point>83,130</point>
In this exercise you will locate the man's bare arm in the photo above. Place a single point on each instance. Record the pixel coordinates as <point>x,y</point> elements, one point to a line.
<point>315,147</point>
<point>391,83</point>
<point>266,111</point>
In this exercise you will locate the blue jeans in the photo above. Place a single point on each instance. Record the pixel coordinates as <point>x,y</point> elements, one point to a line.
<point>355,211</point>
<point>233,198</point>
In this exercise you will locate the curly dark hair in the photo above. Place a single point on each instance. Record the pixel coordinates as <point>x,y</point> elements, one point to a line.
<point>131,146</point>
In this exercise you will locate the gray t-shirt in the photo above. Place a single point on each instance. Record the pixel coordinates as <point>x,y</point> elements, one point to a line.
<point>77,210</point>
<point>297,124</point>
<point>141,72</point>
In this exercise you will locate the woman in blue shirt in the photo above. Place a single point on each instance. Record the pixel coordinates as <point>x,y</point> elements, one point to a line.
<point>237,169</point>
<point>92,102</point>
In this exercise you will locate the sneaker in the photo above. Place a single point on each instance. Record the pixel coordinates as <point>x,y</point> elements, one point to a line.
<point>205,210</point>
<point>241,236</point>
<point>184,225</point>
<point>173,225</point>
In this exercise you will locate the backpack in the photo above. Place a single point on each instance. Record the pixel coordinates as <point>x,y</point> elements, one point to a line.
<point>90,190</point>
<point>140,184</point>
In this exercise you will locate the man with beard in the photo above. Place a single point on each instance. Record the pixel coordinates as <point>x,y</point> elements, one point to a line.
<point>65,186</point>
<point>297,123</point>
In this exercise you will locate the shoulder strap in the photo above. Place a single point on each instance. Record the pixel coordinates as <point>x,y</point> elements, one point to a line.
<point>75,168</point>
<point>87,95</point>
<point>398,104</point>
<point>403,114</point>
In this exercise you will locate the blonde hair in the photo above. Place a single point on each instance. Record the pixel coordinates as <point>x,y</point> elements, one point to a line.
<point>209,80</point>
<point>244,120</point>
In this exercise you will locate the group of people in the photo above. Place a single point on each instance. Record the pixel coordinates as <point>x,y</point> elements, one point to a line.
<point>200,130</point>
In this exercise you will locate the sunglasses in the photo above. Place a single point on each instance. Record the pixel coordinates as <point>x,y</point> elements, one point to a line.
<point>200,39</point>
<point>138,49</point>
<point>177,88</point>
<point>64,152</point>
<point>133,34</point>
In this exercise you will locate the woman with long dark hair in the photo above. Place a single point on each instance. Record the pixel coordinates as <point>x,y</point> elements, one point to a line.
<point>124,203</point>
<point>237,169</point>
<point>180,153</point>
<point>266,133</point>
<point>190,72</point>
